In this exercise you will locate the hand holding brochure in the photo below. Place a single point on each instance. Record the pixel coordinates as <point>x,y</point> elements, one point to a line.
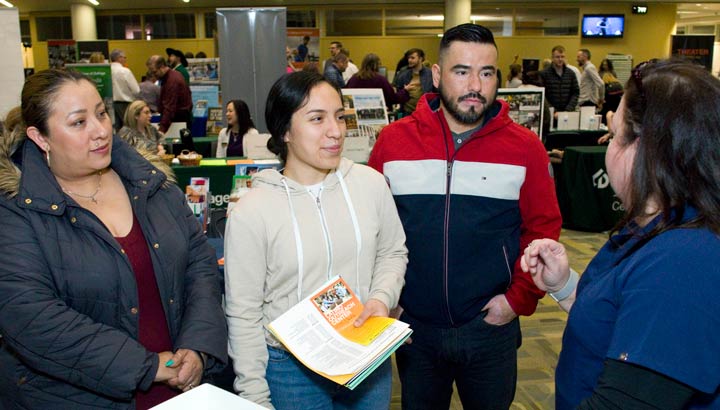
<point>320,332</point>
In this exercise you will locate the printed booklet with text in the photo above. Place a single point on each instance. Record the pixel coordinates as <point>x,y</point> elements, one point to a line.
<point>320,332</point>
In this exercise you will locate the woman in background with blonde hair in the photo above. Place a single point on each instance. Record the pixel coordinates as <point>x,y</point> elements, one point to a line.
<point>138,131</point>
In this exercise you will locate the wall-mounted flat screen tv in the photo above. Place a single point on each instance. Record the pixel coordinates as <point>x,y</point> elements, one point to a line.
<point>603,25</point>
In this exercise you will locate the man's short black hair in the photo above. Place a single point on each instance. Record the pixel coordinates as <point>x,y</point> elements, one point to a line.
<point>468,33</point>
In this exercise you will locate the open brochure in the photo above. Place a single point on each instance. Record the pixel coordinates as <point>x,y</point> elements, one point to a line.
<point>320,332</point>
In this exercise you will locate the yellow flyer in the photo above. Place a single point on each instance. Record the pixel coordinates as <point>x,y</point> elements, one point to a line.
<point>341,307</point>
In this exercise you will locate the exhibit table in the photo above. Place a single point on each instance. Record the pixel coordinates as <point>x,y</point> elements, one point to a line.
<point>587,201</point>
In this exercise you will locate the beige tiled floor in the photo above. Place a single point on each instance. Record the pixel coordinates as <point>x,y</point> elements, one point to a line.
<point>542,334</point>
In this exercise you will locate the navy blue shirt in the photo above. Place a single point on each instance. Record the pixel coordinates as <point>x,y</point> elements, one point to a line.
<point>655,306</point>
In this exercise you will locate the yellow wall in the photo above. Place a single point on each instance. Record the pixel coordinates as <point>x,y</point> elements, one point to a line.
<point>646,36</point>
<point>137,51</point>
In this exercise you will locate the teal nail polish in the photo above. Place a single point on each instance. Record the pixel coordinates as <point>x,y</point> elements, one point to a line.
<point>169,363</point>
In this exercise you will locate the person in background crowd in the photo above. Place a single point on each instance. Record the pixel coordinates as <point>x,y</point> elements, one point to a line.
<point>368,77</point>
<point>175,100</point>
<point>613,93</point>
<point>240,124</point>
<point>546,63</point>
<point>289,67</point>
<point>515,78</point>
<point>323,216</point>
<point>125,88</point>
<point>351,69</point>
<point>138,131</point>
<point>335,48</point>
<point>333,72</point>
<point>642,325</point>
<point>150,91</point>
<point>401,65</point>
<point>561,85</point>
<point>472,188</point>
<point>606,66</point>
<point>312,66</point>
<point>302,50</point>
<point>416,74</point>
<point>177,61</point>
<point>592,88</point>
<point>97,58</point>
<point>109,293</point>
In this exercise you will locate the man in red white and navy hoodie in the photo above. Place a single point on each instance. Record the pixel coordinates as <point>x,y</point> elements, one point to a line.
<point>473,189</point>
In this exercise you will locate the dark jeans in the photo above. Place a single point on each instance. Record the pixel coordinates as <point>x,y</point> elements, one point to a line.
<point>480,358</point>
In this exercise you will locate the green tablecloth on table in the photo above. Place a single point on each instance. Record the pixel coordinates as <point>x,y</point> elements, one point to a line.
<point>587,201</point>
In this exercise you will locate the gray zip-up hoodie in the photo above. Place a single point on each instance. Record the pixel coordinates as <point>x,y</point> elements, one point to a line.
<point>282,243</point>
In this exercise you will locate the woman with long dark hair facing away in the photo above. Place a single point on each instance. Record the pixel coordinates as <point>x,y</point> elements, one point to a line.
<point>370,77</point>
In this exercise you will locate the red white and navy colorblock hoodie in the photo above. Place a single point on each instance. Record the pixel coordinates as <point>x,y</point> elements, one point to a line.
<point>467,213</point>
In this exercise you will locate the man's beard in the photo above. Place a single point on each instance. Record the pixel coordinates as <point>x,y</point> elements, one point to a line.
<point>466,117</point>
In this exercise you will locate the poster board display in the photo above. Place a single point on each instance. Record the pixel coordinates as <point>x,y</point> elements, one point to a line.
<point>694,47</point>
<point>61,52</point>
<point>207,92</point>
<point>204,70</point>
<point>365,116</point>
<point>526,106</point>
<point>215,121</point>
<point>295,43</point>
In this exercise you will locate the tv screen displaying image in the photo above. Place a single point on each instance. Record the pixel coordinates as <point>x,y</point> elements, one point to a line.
<point>603,25</point>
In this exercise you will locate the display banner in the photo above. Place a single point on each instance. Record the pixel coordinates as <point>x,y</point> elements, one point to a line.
<point>61,52</point>
<point>693,47</point>
<point>301,51</point>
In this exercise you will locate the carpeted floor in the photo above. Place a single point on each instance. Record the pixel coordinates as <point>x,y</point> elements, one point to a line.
<point>542,334</point>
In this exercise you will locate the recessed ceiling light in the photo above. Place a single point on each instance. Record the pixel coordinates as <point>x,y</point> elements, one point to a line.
<point>186,1</point>
<point>6,3</point>
<point>94,2</point>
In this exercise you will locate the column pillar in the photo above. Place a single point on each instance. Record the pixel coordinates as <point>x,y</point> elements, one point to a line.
<point>84,27</point>
<point>457,12</point>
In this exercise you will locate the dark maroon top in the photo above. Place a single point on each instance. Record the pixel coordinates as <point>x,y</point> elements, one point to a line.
<point>175,99</point>
<point>153,329</point>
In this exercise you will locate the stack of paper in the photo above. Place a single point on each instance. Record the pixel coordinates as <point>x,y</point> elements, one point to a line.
<point>320,332</point>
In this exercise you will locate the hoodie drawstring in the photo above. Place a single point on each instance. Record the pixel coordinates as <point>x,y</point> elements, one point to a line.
<point>298,240</point>
<point>356,227</point>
